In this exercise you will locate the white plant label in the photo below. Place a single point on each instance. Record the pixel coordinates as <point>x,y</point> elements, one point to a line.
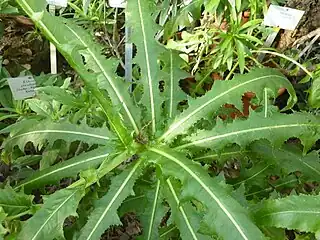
<point>58,3</point>
<point>22,87</point>
<point>283,17</point>
<point>117,3</point>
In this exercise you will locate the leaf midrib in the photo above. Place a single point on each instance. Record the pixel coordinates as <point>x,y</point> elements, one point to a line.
<point>153,114</point>
<point>183,213</point>
<point>51,215</point>
<point>60,131</point>
<point>114,198</point>
<point>174,126</point>
<point>208,139</point>
<point>203,185</point>
<point>62,169</point>
<point>109,80</point>
<point>290,212</point>
<point>154,209</point>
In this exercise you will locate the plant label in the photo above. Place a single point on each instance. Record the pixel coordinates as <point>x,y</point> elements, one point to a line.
<point>283,17</point>
<point>58,3</point>
<point>117,3</point>
<point>22,87</point>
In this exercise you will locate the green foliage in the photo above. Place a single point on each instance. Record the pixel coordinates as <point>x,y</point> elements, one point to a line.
<point>293,212</point>
<point>121,153</point>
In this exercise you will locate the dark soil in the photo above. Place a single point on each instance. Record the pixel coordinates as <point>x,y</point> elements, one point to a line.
<point>22,48</point>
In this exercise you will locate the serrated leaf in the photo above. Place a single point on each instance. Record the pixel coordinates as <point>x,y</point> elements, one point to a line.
<point>172,91</point>
<point>105,213</point>
<point>61,95</point>
<point>47,223</point>
<point>277,129</point>
<point>256,175</point>
<point>184,215</point>
<point>148,50</point>
<point>38,132</point>
<point>75,43</point>
<point>69,168</point>
<point>14,203</point>
<point>224,215</point>
<point>153,213</point>
<point>292,212</point>
<point>290,158</point>
<point>229,92</point>
<point>290,181</point>
<point>226,154</point>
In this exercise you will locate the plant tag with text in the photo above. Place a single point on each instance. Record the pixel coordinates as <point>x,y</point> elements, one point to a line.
<point>22,87</point>
<point>117,3</point>
<point>58,3</point>
<point>283,17</point>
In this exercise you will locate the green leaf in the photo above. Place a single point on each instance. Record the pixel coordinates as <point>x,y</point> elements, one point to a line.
<point>293,212</point>
<point>153,213</point>
<point>41,108</point>
<point>3,230</point>
<point>241,54</point>
<point>37,132</point>
<point>184,215</point>
<point>183,18</point>
<point>75,43</point>
<point>47,223</point>
<point>221,157</point>
<point>14,203</point>
<point>257,175</point>
<point>51,153</point>
<point>143,36</point>
<point>61,95</point>
<point>229,92</point>
<point>105,213</point>
<point>277,129</point>
<point>290,158</point>
<point>224,215</point>
<point>173,74</point>
<point>69,168</point>
<point>314,96</point>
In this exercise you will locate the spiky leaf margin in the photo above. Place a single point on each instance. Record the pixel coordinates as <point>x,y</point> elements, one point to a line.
<point>185,217</point>
<point>69,168</point>
<point>231,220</point>
<point>48,222</point>
<point>229,92</point>
<point>105,213</point>
<point>292,212</point>
<point>277,129</point>
<point>38,132</point>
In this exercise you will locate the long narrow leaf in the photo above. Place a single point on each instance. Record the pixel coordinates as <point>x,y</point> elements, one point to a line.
<point>37,132</point>
<point>47,223</point>
<point>225,216</point>
<point>69,168</point>
<point>173,74</point>
<point>185,217</point>
<point>74,43</point>
<point>229,92</point>
<point>277,129</point>
<point>105,212</point>
<point>143,36</point>
<point>293,212</point>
